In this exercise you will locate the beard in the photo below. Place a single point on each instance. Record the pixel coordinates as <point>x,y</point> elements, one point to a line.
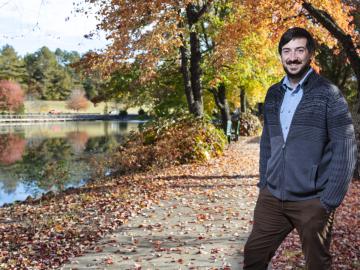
<point>300,74</point>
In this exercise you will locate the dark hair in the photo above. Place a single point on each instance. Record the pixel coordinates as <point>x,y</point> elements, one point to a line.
<point>297,32</point>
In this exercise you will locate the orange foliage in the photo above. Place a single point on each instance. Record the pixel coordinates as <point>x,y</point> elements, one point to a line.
<point>141,30</point>
<point>77,101</point>
<point>151,32</point>
<point>148,31</point>
<point>12,148</point>
<point>11,95</point>
<point>279,15</point>
<point>230,35</point>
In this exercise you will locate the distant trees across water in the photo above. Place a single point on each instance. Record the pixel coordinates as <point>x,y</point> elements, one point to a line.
<point>46,75</point>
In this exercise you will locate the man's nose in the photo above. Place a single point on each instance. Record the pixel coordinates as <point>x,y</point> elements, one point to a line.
<point>293,55</point>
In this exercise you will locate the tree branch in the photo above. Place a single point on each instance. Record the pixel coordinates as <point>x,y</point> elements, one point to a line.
<point>216,97</point>
<point>325,20</point>
<point>300,14</point>
<point>204,9</point>
<point>194,16</point>
<point>344,39</point>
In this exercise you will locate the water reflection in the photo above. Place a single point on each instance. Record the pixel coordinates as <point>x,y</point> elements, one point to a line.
<point>36,159</point>
<point>48,165</point>
<point>78,140</point>
<point>12,147</point>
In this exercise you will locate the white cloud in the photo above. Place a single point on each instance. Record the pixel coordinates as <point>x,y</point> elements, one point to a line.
<point>28,25</point>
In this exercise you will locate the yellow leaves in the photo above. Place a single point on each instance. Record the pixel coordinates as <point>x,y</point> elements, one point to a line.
<point>150,31</point>
<point>285,14</point>
<point>59,228</point>
<point>86,198</point>
<point>254,69</point>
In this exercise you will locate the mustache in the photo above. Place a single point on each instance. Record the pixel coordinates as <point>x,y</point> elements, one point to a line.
<point>293,62</point>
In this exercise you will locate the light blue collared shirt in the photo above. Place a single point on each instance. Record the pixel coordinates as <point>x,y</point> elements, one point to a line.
<point>290,102</point>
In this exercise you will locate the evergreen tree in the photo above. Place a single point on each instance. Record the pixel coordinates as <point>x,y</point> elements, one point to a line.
<point>12,67</point>
<point>48,80</point>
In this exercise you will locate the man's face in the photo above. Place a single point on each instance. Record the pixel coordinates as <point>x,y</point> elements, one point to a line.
<point>295,58</point>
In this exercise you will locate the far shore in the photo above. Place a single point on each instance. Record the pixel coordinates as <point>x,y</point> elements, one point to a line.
<point>29,118</point>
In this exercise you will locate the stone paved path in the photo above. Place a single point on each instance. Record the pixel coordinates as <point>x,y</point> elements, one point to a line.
<point>203,224</point>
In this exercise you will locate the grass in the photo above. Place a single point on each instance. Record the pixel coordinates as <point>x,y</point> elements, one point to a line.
<point>40,106</point>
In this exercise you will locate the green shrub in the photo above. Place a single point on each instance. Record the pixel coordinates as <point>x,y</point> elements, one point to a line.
<point>169,141</point>
<point>123,113</point>
<point>142,115</point>
<point>20,109</point>
<point>250,125</point>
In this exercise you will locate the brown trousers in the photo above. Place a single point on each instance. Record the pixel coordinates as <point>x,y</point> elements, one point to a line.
<point>275,219</point>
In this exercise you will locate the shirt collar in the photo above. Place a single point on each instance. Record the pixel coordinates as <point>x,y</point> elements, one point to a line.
<point>287,86</point>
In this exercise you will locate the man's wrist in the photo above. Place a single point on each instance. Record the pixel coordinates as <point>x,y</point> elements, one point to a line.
<point>261,185</point>
<point>326,206</point>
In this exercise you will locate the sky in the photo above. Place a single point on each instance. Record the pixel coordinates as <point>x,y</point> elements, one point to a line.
<point>28,25</point>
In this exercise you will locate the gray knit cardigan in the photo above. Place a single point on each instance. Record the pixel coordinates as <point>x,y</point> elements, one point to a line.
<point>318,158</point>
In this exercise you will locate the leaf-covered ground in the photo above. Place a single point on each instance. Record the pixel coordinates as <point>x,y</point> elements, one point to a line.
<point>183,217</point>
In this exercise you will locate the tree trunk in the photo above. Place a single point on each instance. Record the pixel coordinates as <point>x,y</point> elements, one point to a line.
<point>195,73</point>
<point>186,78</point>
<point>225,112</point>
<point>345,40</point>
<point>222,103</point>
<point>193,14</point>
<point>242,100</point>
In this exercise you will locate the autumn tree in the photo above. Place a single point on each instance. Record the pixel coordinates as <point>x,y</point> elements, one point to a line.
<point>161,96</point>
<point>151,32</point>
<point>249,74</point>
<point>346,41</point>
<point>335,67</point>
<point>192,33</point>
<point>11,96</point>
<point>249,61</point>
<point>77,100</point>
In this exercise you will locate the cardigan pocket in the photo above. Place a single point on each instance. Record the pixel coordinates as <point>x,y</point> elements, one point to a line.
<point>313,172</point>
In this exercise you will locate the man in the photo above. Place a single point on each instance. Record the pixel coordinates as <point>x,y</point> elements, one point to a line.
<point>307,158</point>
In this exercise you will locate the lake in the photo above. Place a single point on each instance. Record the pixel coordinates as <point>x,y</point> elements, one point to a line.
<point>41,157</point>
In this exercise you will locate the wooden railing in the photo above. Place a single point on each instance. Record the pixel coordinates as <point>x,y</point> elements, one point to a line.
<point>37,117</point>
<point>34,115</point>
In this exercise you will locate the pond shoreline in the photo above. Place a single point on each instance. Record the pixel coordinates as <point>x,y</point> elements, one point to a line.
<point>31,118</point>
